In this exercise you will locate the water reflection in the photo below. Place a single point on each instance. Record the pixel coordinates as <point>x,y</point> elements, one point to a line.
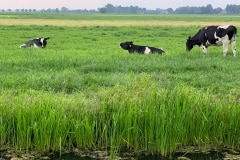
<point>69,156</point>
<point>212,155</point>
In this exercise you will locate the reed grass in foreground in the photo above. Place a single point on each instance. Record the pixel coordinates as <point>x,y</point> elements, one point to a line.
<point>137,116</point>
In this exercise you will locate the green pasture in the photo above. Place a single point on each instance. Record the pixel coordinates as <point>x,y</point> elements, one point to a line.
<point>84,91</point>
<point>140,17</point>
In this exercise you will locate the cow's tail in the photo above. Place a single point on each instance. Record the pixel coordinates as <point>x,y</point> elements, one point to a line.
<point>232,32</point>
<point>235,32</point>
<point>234,28</point>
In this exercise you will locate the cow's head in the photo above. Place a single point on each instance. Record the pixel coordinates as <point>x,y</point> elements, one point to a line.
<point>126,45</point>
<point>43,41</point>
<point>189,44</point>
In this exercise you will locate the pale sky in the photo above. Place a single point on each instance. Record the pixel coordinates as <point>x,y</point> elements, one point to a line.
<point>94,4</point>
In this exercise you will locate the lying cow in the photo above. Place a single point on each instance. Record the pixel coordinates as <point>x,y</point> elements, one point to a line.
<point>214,35</point>
<point>140,49</point>
<point>36,42</point>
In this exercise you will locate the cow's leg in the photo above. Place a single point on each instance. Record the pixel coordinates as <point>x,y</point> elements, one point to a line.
<point>204,48</point>
<point>233,44</point>
<point>225,48</point>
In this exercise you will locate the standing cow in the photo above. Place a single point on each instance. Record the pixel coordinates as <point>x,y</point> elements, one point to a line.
<point>214,35</point>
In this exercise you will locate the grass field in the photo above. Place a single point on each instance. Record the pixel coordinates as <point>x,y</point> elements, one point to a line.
<point>84,91</point>
<point>74,20</point>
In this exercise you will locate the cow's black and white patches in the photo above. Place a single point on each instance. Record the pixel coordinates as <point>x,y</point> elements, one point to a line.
<point>214,35</point>
<point>140,49</point>
<point>36,42</point>
<point>147,50</point>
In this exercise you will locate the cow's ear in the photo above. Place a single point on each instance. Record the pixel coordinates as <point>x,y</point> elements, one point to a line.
<point>47,38</point>
<point>189,38</point>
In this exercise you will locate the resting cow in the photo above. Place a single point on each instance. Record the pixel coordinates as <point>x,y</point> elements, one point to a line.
<point>36,42</point>
<point>214,35</point>
<point>140,49</point>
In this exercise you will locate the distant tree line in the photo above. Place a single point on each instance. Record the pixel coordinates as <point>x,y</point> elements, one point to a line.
<point>233,9</point>
<point>208,9</point>
<point>199,10</point>
<point>109,8</point>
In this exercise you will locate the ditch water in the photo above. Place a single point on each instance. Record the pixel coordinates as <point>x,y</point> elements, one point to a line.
<point>212,155</point>
<point>209,155</point>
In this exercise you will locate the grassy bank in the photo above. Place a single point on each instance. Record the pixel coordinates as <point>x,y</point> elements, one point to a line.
<point>139,115</point>
<point>84,91</point>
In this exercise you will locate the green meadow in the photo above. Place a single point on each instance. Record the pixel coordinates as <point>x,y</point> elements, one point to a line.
<point>83,91</point>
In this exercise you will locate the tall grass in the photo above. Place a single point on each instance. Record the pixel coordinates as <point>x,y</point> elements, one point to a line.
<point>84,91</point>
<point>139,116</point>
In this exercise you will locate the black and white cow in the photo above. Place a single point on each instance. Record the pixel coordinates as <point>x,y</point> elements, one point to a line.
<point>36,42</point>
<point>214,35</point>
<point>140,49</point>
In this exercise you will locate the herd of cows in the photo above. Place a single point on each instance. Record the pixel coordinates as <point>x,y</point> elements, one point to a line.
<point>205,37</point>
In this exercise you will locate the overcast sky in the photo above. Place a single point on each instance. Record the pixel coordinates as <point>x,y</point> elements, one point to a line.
<point>94,4</point>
